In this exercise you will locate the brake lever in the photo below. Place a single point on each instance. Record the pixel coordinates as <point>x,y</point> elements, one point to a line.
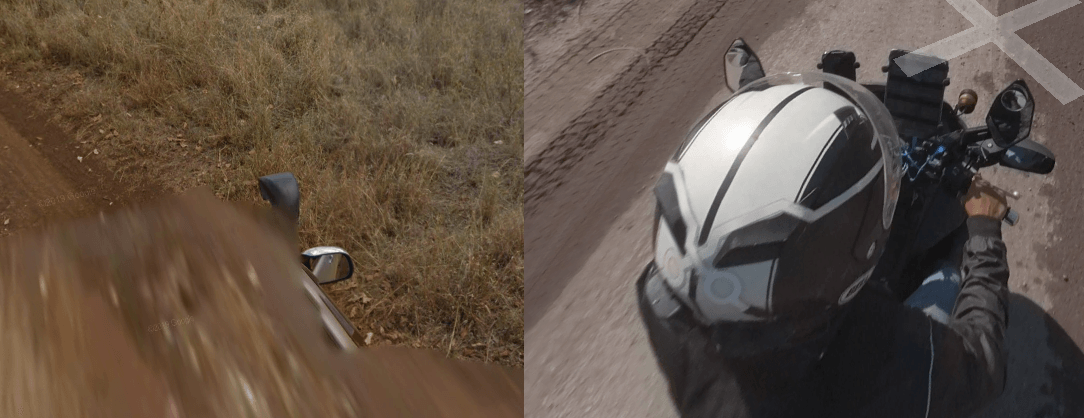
<point>1011,217</point>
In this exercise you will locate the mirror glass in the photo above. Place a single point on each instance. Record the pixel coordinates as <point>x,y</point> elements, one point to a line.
<point>741,65</point>
<point>1014,100</point>
<point>1009,119</point>
<point>328,264</point>
<point>735,58</point>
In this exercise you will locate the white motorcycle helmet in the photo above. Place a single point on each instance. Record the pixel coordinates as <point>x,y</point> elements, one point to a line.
<point>774,211</point>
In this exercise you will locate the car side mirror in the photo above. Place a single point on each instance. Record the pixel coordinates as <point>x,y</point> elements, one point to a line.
<point>741,66</point>
<point>1010,116</point>
<point>328,264</point>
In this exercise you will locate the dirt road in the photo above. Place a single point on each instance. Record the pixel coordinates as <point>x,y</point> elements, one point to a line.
<point>615,120</point>
<point>45,175</point>
<point>188,307</point>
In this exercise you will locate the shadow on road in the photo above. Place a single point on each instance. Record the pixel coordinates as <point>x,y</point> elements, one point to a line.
<point>1045,367</point>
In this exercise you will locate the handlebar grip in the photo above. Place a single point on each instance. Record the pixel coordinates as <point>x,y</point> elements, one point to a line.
<point>1011,217</point>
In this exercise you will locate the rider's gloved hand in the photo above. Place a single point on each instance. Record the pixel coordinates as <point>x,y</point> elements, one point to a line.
<point>984,200</point>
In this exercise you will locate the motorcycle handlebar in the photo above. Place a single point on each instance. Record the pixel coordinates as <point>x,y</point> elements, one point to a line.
<point>975,135</point>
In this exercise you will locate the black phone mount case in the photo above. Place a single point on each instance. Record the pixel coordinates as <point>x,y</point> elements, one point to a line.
<point>915,101</point>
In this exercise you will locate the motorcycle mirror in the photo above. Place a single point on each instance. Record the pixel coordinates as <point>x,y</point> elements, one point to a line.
<point>741,66</point>
<point>328,264</point>
<point>1009,119</point>
<point>1029,156</point>
<point>841,63</point>
<point>282,192</point>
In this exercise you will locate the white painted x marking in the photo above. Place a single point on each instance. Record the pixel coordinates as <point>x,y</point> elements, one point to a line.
<point>1001,31</point>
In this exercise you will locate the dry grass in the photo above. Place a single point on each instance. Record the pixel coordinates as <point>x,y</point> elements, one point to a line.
<point>403,120</point>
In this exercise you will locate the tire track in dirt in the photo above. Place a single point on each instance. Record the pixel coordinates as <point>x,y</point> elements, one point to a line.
<point>548,172</point>
<point>603,42</point>
<point>28,178</point>
<point>589,39</point>
<point>543,174</point>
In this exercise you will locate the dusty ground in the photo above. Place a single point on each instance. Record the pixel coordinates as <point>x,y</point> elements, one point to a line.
<point>598,132</point>
<point>188,307</point>
<point>42,175</point>
<point>401,119</point>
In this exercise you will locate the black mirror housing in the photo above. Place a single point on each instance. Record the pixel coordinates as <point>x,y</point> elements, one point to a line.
<point>1010,116</point>
<point>1029,156</point>
<point>841,63</point>
<point>741,65</point>
<point>282,191</point>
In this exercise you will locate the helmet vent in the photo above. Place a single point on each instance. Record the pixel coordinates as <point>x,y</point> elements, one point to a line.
<point>759,241</point>
<point>749,255</point>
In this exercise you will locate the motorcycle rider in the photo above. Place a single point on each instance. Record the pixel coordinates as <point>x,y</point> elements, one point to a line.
<point>770,219</point>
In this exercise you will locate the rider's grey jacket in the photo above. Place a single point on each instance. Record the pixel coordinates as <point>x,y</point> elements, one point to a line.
<point>885,360</point>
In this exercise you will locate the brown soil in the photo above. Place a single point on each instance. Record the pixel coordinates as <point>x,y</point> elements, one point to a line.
<point>43,176</point>
<point>189,307</point>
